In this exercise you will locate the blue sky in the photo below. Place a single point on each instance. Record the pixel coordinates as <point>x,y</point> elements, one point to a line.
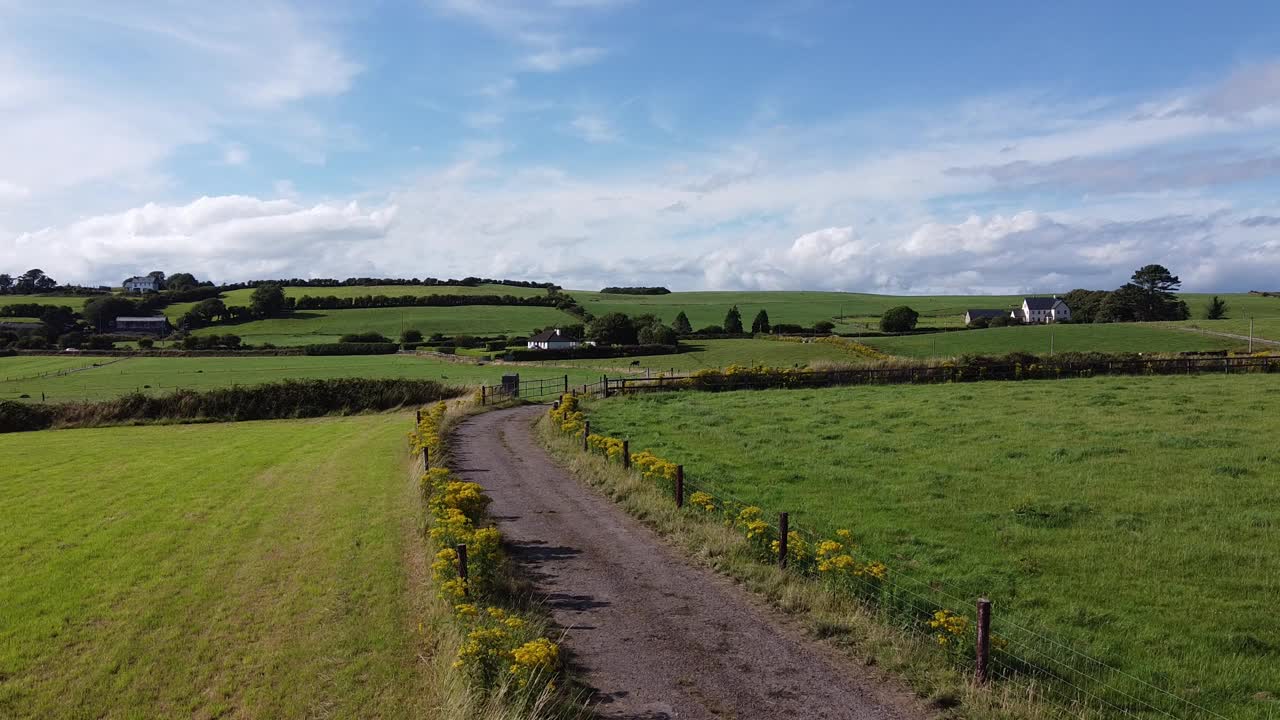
<point>912,148</point>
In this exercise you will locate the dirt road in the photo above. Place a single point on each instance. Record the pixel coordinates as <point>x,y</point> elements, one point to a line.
<point>653,636</point>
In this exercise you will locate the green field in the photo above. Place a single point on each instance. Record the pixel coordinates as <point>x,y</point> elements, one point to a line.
<point>1112,337</point>
<point>75,302</point>
<point>239,570</point>
<point>723,353</point>
<point>321,326</point>
<point>241,297</point>
<point>801,308</point>
<point>157,375</point>
<point>1131,519</point>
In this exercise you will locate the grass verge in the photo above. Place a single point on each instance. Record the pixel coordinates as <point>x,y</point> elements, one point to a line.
<point>842,622</point>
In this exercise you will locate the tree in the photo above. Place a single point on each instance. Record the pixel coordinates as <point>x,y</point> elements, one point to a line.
<point>101,312</point>
<point>209,311</point>
<point>1216,310</point>
<point>1121,305</point>
<point>824,327</point>
<point>146,343</point>
<point>761,323</point>
<point>657,334</point>
<point>899,319</point>
<point>410,336</point>
<point>6,283</point>
<point>733,320</point>
<point>158,276</point>
<point>1154,298</point>
<point>682,325</point>
<point>180,281</point>
<point>1085,304</point>
<point>267,300</point>
<point>34,281</point>
<point>612,329</point>
<point>57,320</point>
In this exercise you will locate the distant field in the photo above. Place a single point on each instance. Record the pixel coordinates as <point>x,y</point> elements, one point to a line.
<point>801,308</point>
<point>241,297</point>
<point>1131,519</point>
<point>163,375</point>
<point>722,353</point>
<point>321,326</point>
<point>1117,337</point>
<point>72,301</point>
<point>230,570</point>
<point>32,366</point>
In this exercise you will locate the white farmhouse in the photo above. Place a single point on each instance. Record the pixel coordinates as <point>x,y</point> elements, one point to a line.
<point>552,340</point>
<point>1042,310</point>
<point>142,284</point>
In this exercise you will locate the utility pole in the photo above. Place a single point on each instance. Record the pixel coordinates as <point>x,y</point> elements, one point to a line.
<point>1250,334</point>
<point>1050,339</point>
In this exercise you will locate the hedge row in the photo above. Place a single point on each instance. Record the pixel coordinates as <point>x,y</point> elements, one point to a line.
<point>599,351</point>
<point>341,348</point>
<point>331,302</point>
<point>288,399</point>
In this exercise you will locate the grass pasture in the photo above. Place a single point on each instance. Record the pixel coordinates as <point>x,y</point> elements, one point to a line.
<point>75,302</point>
<point>702,354</point>
<point>242,297</point>
<point>323,326</point>
<point>1131,519</point>
<point>1112,338</point>
<point>164,374</point>
<point>237,570</point>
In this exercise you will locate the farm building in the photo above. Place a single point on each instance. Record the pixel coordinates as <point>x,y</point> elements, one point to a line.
<point>1042,310</point>
<point>553,339</point>
<point>142,284</point>
<point>971,315</point>
<point>158,325</point>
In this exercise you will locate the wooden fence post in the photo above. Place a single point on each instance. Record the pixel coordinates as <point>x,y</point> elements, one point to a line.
<point>982,672</point>
<point>462,568</point>
<point>419,416</point>
<point>426,459</point>
<point>782,540</point>
<point>626,454</point>
<point>586,432</point>
<point>484,392</point>
<point>679,486</point>
<point>566,384</point>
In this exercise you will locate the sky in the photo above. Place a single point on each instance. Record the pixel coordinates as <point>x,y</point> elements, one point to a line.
<point>901,148</point>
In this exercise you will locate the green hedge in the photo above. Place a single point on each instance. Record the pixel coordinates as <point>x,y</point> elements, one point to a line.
<point>349,348</point>
<point>288,399</point>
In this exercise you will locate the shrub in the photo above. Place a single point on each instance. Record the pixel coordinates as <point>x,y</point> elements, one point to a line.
<point>21,417</point>
<point>410,336</point>
<point>351,348</point>
<point>899,319</point>
<point>366,337</point>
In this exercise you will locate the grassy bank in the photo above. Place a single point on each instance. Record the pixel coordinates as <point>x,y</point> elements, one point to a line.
<point>249,570</point>
<point>1127,518</point>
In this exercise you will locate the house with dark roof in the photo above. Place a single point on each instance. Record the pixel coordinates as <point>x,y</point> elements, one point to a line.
<point>158,325</point>
<point>141,284</point>
<point>971,315</point>
<point>553,339</point>
<point>1043,310</point>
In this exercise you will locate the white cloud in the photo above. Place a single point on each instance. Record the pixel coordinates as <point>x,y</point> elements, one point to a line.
<point>555,59</point>
<point>593,128</point>
<point>235,155</point>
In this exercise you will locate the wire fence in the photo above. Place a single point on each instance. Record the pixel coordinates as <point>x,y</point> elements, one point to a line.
<point>1025,663</point>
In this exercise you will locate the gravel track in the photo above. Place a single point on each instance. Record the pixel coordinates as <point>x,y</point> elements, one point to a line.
<point>651,635</point>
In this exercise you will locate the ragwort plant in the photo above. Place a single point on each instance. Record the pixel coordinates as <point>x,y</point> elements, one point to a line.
<point>502,651</point>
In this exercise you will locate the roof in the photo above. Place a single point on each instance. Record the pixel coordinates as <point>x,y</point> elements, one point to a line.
<point>1041,303</point>
<point>156,318</point>
<point>986,313</point>
<point>142,278</point>
<point>551,334</point>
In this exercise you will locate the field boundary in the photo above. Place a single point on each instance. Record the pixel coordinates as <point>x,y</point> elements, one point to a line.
<point>1008,659</point>
<point>762,378</point>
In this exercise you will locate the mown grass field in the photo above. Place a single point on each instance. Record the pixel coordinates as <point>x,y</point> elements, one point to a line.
<point>72,301</point>
<point>241,297</point>
<point>239,570</point>
<point>1132,519</point>
<point>164,375</point>
<point>1111,337</point>
<point>321,326</point>
<point>722,353</point>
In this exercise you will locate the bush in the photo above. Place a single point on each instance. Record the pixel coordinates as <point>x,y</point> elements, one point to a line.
<point>288,399</point>
<point>410,336</point>
<point>21,417</point>
<point>367,337</point>
<point>899,319</point>
<point>146,343</point>
<point>352,348</point>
